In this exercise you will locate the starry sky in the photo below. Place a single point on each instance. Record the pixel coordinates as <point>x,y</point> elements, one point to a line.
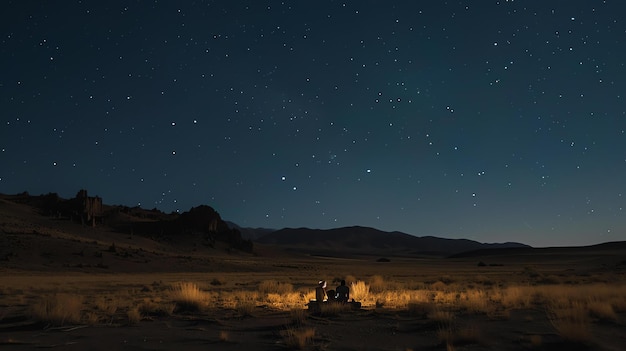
<point>487,120</point>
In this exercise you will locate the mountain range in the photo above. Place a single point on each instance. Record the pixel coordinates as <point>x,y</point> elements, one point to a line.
<point>203,226</point>
<point>358,240</point>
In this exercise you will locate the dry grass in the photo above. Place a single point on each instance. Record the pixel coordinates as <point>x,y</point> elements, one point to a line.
<point>400,299</point>
<point>188,296</point>
<point>242,301</point>
<point>92,318</point>
<point>59,309</point>
<point>298,338</point>
<point>106,305</point>
<point>286,301</point>
<point>134,316</point>
<point>275,287</point>
<point>571,320</point>
<point>602,310</point>
<point>360,291</point>
<point>516,297</point>
<point>156,307</point>
<point>298,315</point>
<point>378,284</point>
<point>333,309</point>
<point>575,307</point>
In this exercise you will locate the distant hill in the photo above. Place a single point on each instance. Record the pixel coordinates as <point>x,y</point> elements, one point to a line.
<point>200,225</point>
<point>250,233</point>
<point>369,241</point>
<point>608,248</point>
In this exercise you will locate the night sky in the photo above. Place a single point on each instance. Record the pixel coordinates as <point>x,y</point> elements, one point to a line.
<point>487,120</point>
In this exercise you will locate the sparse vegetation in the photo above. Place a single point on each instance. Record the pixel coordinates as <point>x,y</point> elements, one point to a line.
<point>360,291</point>
<point>571,310</point>
<point>188,296</point>
<point>134,316</point>
<point>298,338</point>
<point>243,299</point>
<point>276,287</point>
<point>59,309</point>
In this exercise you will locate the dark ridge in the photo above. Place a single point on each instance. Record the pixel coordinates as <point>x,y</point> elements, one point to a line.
<point>365,240</point>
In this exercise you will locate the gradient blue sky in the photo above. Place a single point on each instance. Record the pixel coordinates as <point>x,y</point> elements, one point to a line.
<point>488,120</point>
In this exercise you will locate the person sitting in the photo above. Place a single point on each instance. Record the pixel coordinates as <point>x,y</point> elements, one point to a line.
<point>320,291</point>
<point>342,292</point>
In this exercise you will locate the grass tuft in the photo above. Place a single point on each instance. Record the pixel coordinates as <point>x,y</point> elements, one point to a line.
<point>275,287</point>
<point>571,321</point>
<point>58,309</point>
<point>359,291</point>
<point>134,316</point>
<point>188,297</point>
<point>298,338</point>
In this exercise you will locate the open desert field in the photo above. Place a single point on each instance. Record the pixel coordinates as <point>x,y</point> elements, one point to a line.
<point>407,304</point>
<point>71,287</point>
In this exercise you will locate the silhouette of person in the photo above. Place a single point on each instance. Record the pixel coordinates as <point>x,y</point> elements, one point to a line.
<point>343,292</point>
<point>330,295</point>
<point>320,291</point>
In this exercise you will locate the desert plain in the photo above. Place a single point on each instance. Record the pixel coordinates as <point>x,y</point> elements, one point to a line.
<point>70,286</point>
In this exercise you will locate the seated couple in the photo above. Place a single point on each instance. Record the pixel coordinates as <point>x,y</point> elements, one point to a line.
<point>340,294</point>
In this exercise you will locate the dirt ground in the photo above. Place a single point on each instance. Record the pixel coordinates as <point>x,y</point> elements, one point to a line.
<point>75,288</point>
<point>264,327</point>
